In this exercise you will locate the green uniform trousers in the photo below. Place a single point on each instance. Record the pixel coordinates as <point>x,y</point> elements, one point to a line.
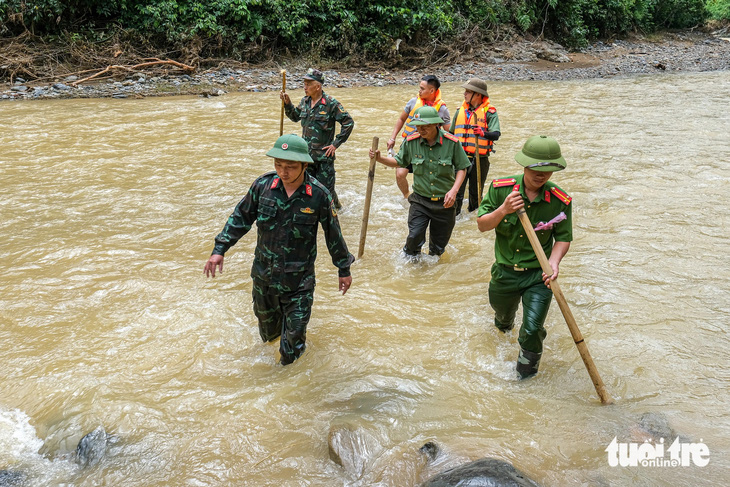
<point>506,289</point>
<point>285,315</point>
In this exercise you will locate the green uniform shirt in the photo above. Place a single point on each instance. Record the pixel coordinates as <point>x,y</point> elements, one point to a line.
<point>286,247</point>
<point>318,124</point>
<point>434,167</point>
<point>511,246</point>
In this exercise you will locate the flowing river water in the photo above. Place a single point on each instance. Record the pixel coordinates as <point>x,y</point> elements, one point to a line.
<point>108,212</point>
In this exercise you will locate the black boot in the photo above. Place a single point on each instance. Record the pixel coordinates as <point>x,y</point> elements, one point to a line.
<point>527,363</point>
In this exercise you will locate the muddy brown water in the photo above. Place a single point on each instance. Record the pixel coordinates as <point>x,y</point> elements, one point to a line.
<point>108,212</point>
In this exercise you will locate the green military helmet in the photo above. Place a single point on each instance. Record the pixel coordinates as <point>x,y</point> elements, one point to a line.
<point>541,153</point>
<point>290,147</point>
<point>426,116</point>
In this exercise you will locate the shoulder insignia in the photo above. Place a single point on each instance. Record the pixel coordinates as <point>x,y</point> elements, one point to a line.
<point>324,102</point>
<point>492,110</point>
<point>451,137</point>
<point>306,210</point>
<point>275,182</point>
<point>334,211</point>
<point>308,189</point>
<point>500,183</point>
<point>547,196</point>
<point>561,195</point>
<point>413,136</point>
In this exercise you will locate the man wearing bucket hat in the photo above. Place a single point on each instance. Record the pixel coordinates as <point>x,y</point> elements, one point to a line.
<point>318,113</point>
<point>516,272</point>
<point>475,123</point>
<point>439,167</point>
<point>429,94</point>
<point>286,205</point>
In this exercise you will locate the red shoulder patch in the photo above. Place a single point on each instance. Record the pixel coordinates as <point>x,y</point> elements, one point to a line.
<point>275,182</point>
<point>413,136</point>
<point>451,137</point>
<point>561,195</point>
<point>547,196</point>
<point>492,110</point>
<point>308,189</point>
<point>500,183</point>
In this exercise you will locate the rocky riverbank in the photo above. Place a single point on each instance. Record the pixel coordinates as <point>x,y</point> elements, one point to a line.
<point>518,60</point>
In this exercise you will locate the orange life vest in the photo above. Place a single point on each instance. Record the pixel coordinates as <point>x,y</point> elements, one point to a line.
<point>465,119</point>
<point>408,129</point>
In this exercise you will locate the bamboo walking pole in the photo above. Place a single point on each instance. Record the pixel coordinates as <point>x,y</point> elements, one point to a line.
<point>283,88</point>
<point>567,314</point>
<point>368,195</point>
<point>479,169</point>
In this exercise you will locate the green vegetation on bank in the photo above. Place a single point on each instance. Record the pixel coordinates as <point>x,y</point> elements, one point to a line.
<point>339,29</point>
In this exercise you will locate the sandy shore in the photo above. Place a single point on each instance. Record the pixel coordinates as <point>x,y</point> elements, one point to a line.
<point>519,60</point>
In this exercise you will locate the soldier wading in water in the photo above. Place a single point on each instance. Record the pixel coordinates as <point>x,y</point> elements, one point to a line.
<point>516,272</point>
<point>286,205</point>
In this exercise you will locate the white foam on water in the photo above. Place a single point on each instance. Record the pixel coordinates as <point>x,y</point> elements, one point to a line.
<point>18,438</point>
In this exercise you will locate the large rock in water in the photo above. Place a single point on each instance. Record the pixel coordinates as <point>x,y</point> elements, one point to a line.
<point>486,472</point>
<point>353,448</point>
<point>92,447</point>
<point>11,478</point>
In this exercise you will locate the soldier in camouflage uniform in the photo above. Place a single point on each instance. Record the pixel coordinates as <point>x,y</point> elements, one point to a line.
<point>286,206</point>
<point>516,272</point>
<point>318,113</point>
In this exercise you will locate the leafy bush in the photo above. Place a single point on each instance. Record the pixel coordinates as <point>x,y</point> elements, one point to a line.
<point>339,28</point>
<point>719,9</point>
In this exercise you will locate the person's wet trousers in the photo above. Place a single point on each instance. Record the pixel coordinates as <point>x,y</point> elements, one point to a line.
<point>426,214</point>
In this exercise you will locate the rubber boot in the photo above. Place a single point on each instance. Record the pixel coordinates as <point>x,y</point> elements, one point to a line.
<point>527,363</point>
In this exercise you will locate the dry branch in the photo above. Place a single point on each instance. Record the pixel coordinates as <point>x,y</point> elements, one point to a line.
<point>136,67</point>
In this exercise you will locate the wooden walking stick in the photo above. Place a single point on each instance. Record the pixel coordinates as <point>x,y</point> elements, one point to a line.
<point>283,88</point>
<point>368,195</point>
<point>479,170</point>
<point>567,314</point>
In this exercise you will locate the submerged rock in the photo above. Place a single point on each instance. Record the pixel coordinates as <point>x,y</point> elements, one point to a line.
<point>92,447</point>
<point>485,472</point>
<point>353,448</point>
<point>11,478</point>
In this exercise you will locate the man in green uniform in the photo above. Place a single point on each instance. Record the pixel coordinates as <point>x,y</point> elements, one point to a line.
<point>318,113</point>
<point>439,167</point>
<point>286,206</point>
<point>516,273</point>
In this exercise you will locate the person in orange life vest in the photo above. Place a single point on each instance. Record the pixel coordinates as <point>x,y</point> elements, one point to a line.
<point>429,94</point>
<point>475,120</point>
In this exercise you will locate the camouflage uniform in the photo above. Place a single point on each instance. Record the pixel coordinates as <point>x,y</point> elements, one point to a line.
<point>286,249</point>
<point>318,129</point>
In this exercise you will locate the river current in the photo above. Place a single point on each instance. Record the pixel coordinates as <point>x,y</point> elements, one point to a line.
<point>108,210</point>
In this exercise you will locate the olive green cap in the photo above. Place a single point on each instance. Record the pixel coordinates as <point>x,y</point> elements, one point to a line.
<point>541,153</point>
<point>426,116</point>
<point>476,85</point>
<point>290,147</point>
<point>314,75</point>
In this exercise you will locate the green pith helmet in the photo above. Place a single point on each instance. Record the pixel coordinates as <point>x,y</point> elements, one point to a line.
<point>426,116</point>
<point>541,153</point>
<point>290,147</point>
<point>477,86</point>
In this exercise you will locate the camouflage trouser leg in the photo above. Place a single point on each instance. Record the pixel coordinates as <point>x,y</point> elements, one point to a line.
<point>506,289</point>
<point>324,172</point>
<point>285,315</point>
